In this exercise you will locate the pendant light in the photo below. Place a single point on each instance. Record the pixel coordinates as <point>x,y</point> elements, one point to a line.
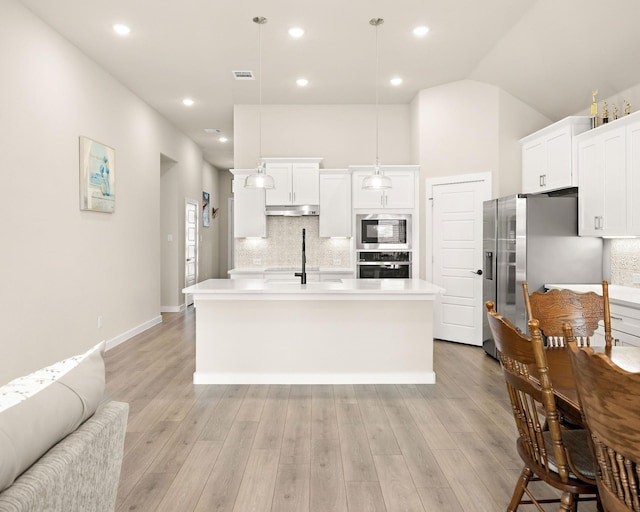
<point>260,179</point>
<point>377,180</point>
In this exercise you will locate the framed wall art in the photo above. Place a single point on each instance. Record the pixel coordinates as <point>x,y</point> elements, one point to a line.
<point>205,209</point>
<point>97,176</point>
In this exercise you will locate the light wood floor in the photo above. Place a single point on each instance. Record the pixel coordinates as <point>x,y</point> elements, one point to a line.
<point>434,448</point>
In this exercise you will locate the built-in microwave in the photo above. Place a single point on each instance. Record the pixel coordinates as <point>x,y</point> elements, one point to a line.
<point>381,231</point>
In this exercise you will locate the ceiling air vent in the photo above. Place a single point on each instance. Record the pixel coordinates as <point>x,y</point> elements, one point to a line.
<point>243,75</point>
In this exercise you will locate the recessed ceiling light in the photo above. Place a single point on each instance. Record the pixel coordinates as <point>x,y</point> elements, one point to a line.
<point>396,81</point>
<point>187,102</point>
<point>296,32</point>
<point>121,29</point>
<point>420,31</point>
<point>302,82</point>
<point>223,139</point>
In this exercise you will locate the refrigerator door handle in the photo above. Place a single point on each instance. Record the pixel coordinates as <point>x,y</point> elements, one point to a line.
<point>488,265</point>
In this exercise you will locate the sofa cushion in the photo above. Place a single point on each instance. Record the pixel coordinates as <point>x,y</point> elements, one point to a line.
<point>40,409</point>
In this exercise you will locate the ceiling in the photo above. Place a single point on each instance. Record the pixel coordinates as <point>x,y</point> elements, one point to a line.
<point>548,53</point>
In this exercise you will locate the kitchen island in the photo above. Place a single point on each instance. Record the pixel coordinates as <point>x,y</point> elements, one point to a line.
<point>366,331</point>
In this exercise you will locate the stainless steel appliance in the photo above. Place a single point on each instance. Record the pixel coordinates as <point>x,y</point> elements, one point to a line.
<point>383,231</point>
<point>292,211</point>
<point>384,265</point>
<point>535,239</point>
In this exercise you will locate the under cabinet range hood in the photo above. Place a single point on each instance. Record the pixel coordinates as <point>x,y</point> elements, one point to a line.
<point>292,211</point>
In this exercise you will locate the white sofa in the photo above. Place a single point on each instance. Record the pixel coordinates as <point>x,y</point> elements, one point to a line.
<point>78,474</point>
<point>61,442</point>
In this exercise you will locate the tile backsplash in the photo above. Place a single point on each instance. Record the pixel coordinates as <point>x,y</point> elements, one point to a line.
<point>283,246</point>
<point>625,261</point>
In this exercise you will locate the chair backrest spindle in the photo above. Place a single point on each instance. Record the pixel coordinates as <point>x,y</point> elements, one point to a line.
<point>609,398</point>
<point>554,308</point>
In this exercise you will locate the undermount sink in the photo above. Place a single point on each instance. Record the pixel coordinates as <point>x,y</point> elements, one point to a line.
<point>296,285</point>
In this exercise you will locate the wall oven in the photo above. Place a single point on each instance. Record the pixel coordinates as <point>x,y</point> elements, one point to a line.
<point>384,265</point>
<point>381,231</point>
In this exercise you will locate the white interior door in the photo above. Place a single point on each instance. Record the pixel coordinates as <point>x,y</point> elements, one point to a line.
<point>457,258</point>
<point>190,247</point>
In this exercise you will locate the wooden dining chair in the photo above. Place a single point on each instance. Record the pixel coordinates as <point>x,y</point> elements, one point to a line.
<point>561,458</point>
<point>609,398</point>
<point>583,311</point>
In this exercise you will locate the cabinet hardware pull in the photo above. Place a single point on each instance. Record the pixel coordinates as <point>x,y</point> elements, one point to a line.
<point>597,222</point>
<point>616,318</point>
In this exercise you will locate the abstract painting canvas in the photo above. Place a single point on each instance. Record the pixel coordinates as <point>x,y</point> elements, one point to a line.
<point>205,209</point>
<point>97,176</point>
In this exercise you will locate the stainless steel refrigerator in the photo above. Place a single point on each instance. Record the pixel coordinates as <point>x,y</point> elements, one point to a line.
<point>535,239</point>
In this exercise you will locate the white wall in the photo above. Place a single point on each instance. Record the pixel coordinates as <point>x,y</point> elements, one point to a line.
<point>225,179</point>
<point>60,267</point>
<point>515,121</point>
<point>341,134</point>
<point>469,127</point>
<point>209,264</point>
<point>170,299</point>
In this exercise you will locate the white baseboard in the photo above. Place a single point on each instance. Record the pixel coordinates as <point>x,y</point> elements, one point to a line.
<point>114,342</point>
<point>173,309</point>
<point>319,378</point>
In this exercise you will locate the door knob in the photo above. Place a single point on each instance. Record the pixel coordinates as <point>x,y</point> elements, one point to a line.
<point>479,272</point>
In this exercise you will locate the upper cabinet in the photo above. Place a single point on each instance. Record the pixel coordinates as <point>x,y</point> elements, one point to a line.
<point>548,156</point>
<point>608,163</point>
<point>296,179</point>
<point>248,207</point>
<point>335,203</point>
<point>401,195</point>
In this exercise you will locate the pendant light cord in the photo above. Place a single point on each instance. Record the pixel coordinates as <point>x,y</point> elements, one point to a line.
<point>260,20</point>
<point>376,22</point>
<point>377,169</point>
<point>260,94</point>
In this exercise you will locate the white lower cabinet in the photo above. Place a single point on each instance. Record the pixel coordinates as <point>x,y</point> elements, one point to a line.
<point>625,326</point>
<point>335,203</point>
<point>249,219</point>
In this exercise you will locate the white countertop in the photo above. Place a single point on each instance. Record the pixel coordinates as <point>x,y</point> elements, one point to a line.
<point>623,295</point>
<point>345,289</point>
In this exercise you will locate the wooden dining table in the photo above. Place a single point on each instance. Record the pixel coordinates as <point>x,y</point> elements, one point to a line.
<point>561,375</point>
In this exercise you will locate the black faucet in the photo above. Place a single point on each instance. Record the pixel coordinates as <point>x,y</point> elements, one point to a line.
<point>303,275</point>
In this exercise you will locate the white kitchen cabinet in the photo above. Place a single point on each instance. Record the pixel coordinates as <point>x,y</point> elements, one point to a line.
<point>548,156</point>
<point>609,172</point>
<point>296,181</point>
<point>335,203</point>
<point>249,219</point>
<point>625,326</point>
<point>401,195</point>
